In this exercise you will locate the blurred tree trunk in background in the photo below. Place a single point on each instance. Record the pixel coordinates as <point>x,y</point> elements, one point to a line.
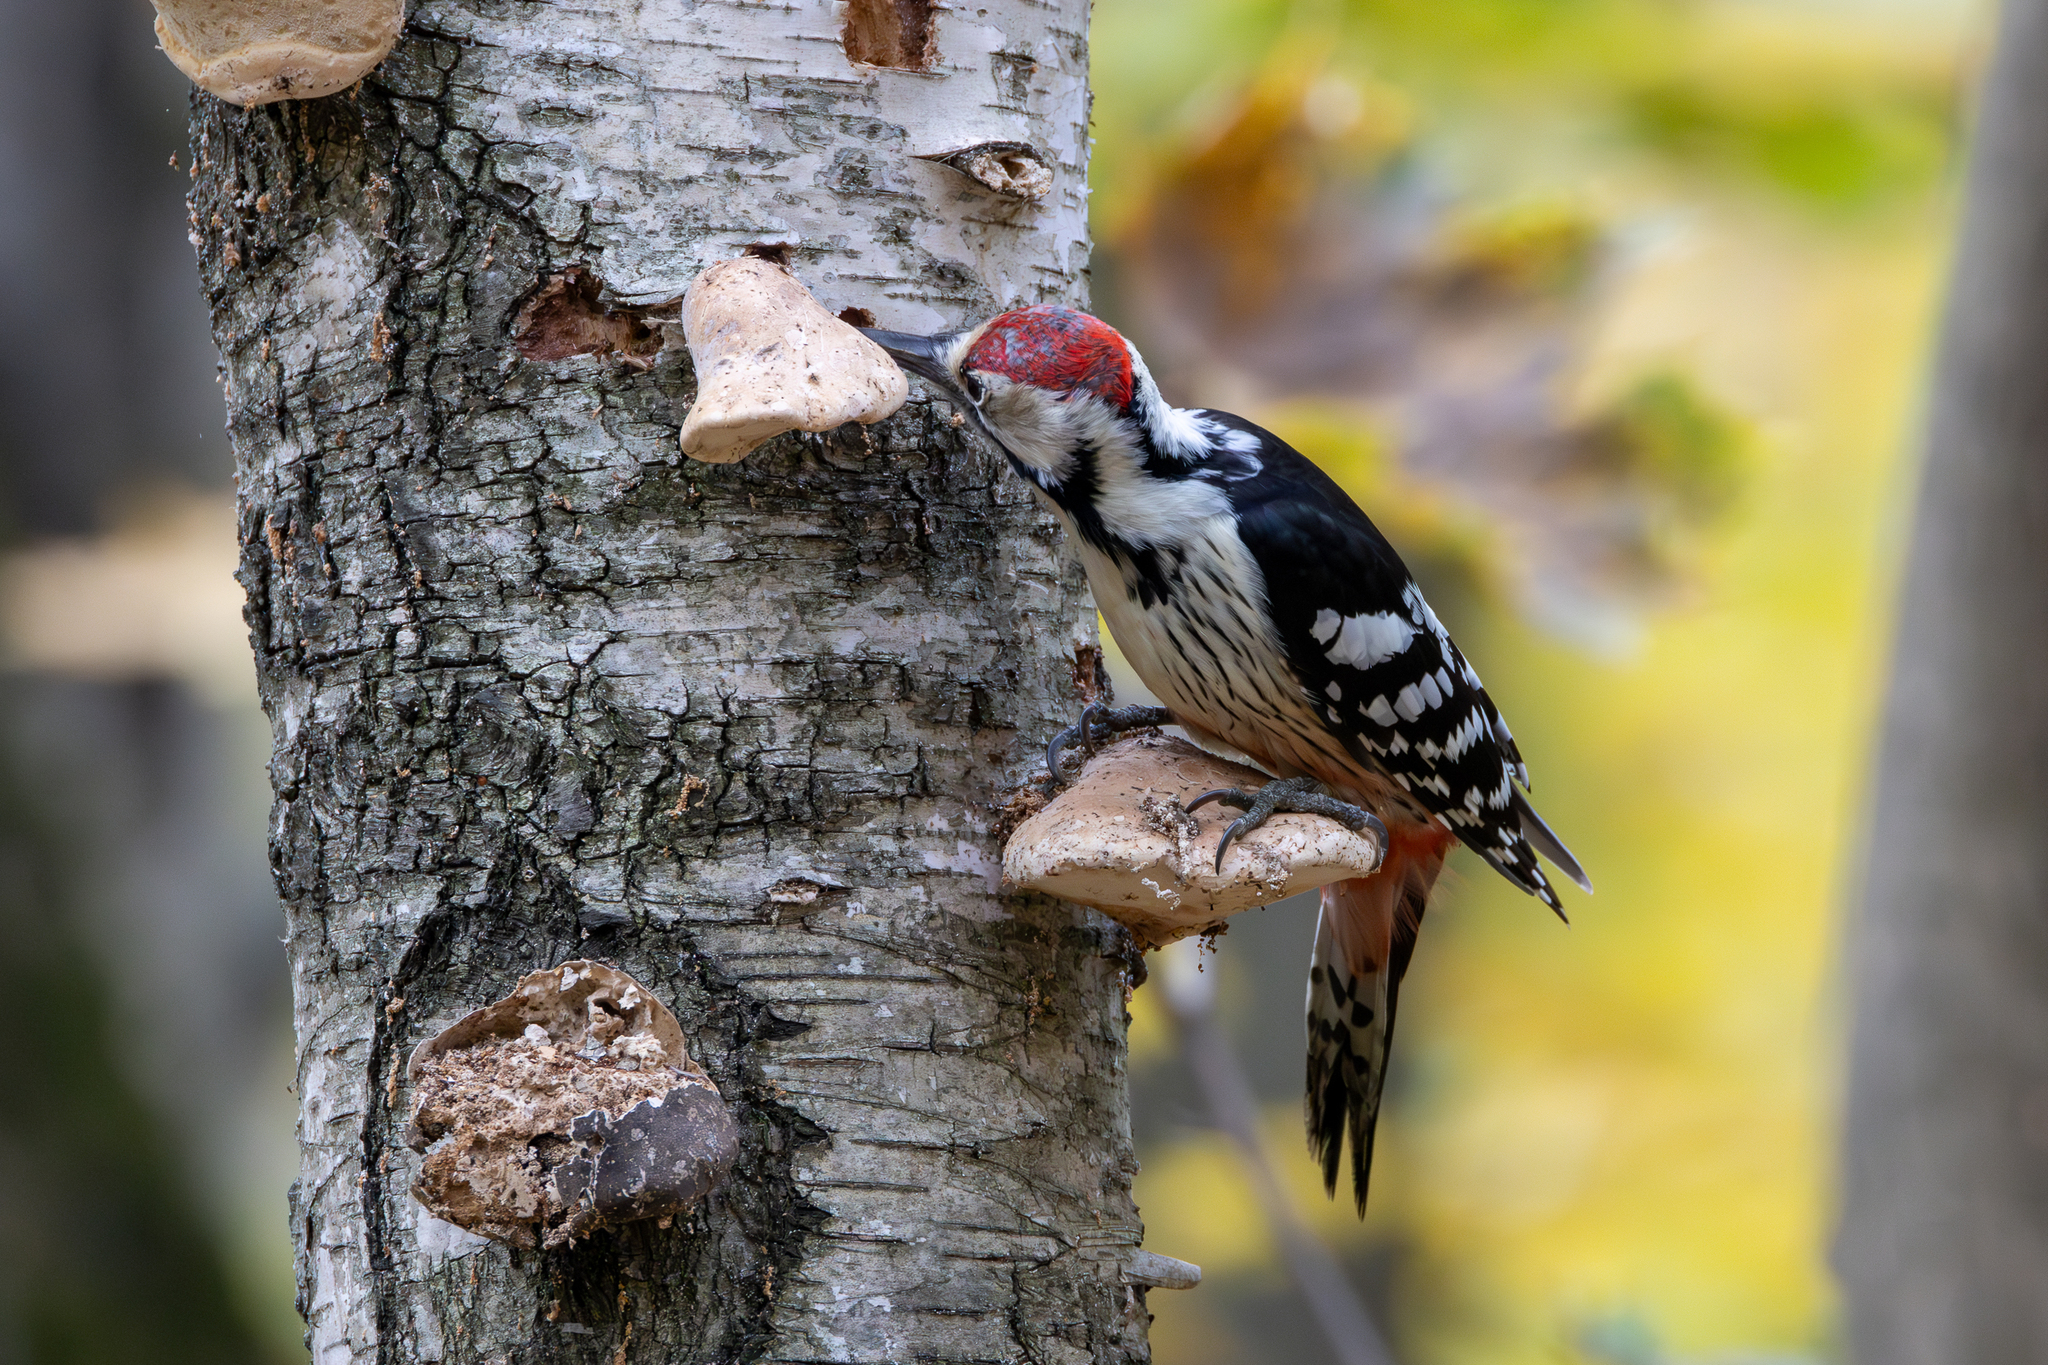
<point>108,1253</point>
<point>1944,1240</point>
<point>541,690</point>
<point>137,932</point>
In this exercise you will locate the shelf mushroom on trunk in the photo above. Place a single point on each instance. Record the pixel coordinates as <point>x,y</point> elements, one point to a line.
<point>569,1105</point>
<point>770,359</point>
<point>259,51</point>
<point>1122,839</point>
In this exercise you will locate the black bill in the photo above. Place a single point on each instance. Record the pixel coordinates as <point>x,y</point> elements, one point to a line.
<point>924,357</point>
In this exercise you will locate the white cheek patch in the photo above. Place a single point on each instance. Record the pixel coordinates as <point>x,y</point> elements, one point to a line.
<point>1033,426</point>
<point>1147,511</point>
<point>1364,641</point>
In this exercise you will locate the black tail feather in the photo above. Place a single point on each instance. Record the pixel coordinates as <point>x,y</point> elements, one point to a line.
<point>1351,1013</point>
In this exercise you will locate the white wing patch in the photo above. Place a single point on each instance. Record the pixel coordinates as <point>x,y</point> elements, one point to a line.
<point>1364,641</point>
<point>1419,609</point>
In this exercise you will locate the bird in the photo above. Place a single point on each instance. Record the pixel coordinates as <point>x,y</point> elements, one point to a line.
<point>1272,620</point>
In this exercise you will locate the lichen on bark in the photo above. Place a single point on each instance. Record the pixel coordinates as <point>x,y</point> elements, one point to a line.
<point>542,690</point>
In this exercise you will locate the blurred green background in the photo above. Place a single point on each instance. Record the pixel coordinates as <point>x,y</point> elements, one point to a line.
<point>1613,314</point>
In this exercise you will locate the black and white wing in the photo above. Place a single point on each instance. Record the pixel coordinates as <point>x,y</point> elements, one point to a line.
<point>1383,673</point>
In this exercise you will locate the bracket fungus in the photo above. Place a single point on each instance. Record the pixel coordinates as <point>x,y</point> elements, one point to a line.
<point>572,1104</point>
<point>770,359</point>
<point>1012,169</point>
<point>259,51</point>
<point>1154,1271</point>
<point>1122,839</point>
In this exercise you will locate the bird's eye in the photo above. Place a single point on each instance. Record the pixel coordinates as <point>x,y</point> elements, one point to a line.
<point>970,385</point>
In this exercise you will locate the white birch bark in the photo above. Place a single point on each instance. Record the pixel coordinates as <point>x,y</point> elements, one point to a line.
<point>541,689</point>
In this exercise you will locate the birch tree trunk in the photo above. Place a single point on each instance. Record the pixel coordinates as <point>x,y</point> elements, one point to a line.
<point>541,689</point>
<point>1944,1241</point>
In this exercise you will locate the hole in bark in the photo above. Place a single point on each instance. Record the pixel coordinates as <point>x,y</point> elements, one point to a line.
<point>777,253</point>
<point>894,33</point>
<point>856,317</point>
<point>1091,676</point>
<point>567,316</point>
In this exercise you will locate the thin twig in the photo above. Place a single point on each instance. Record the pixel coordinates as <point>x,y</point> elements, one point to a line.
<point>1190,998</point>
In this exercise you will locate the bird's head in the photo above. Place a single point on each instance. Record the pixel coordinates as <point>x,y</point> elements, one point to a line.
<point>1047,383</point>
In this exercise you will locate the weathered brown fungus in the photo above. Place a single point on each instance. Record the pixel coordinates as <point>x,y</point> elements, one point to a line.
<point>569,1105</point>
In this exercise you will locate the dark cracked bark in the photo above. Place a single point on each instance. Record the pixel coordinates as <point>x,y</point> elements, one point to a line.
<point>541,689</point>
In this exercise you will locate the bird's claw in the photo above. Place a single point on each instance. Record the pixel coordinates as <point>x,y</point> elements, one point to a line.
<point>1296,795</point>
<point>1098,723</point>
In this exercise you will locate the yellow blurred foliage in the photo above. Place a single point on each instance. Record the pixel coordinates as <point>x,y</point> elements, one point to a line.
<point>1614,1142</point>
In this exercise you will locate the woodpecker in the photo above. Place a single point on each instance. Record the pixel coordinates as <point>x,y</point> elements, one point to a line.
<point>1273,620</point>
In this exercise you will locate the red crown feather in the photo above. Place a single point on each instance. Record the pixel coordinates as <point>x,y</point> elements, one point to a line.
<point>1058,349</point>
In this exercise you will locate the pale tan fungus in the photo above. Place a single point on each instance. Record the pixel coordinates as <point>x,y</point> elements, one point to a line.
<point>258,51</point>
<point>1154,1271</point>
<point>770,359</point>
<point>1121,838</point>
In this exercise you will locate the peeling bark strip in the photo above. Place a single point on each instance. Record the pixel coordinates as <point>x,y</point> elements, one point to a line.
<point>540,691</point>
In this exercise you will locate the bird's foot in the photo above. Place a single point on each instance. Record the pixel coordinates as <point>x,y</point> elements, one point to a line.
<point>1098,723</point>
<point>1296,795</point>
